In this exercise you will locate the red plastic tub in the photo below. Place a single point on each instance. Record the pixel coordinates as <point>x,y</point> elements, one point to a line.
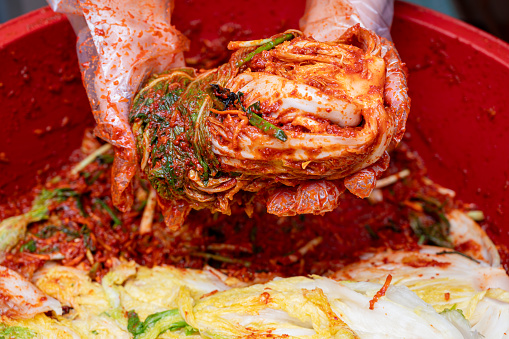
<point>458,84</point>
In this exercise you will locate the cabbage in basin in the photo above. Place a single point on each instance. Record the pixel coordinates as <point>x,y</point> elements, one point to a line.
<point>166,302</point>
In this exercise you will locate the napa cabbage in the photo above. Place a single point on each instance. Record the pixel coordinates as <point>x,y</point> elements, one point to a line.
<point>167,302</point>
<point>41,327</point>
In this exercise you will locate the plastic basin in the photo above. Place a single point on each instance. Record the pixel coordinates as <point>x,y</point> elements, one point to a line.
<point>458,84</point>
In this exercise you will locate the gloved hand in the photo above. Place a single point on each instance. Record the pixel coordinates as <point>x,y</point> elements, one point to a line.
<point>119,49</point>
<point>120,43</point>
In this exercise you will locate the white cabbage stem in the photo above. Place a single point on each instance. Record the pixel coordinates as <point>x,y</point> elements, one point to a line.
<point>297,99</point>
<point>298,147</point>
<point>21,299</point>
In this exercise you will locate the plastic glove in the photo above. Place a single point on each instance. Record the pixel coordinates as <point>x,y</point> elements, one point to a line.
<point>120,43</point>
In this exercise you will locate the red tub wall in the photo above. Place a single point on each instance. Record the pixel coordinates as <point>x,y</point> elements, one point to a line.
<point>458,84</point>
<point>43,105</point>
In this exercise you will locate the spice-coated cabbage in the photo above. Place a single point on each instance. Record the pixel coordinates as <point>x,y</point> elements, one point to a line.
<point>289,121</point>
<point>167,302</point>
<point>351,117</point>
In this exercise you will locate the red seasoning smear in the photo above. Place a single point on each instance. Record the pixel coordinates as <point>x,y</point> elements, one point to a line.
<point>380,293</point>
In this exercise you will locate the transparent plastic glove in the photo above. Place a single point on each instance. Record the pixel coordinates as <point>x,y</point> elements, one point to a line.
<point>327,20</point>
<point>120,43</point>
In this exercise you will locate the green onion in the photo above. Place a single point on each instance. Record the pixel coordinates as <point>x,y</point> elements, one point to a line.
<point>262,124</point>
<point>89,159</point>
<point>71,233</point>
<point>87,239</point>
<point>371,232</point>
<point>436,233</point>
<point>459,253</point>
<point>47,232</point>
<point>223,98</point>
<point>267,127</point>
<point>79,204</point>
<point>62,194</point>
<point>243,44</point>
<point>221,258</point>
<point>106,158</point>
<point>29,246</point>
<point>141,206</point>
<point>93,179</point>
<point>269,45</point>
<point>112,214</point>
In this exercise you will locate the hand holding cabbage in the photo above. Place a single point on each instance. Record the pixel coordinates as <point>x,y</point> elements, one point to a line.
<point>289,121</point>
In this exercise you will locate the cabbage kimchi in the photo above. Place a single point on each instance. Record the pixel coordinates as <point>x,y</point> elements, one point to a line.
<point>288,121</point>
